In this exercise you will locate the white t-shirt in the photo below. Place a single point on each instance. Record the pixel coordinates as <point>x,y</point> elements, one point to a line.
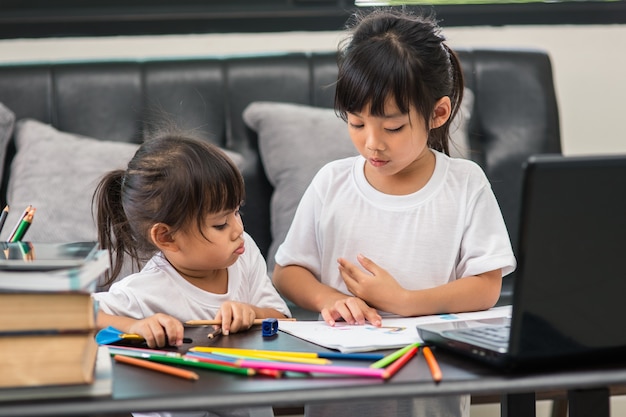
<point>449,229</point>
<point>159,288</point>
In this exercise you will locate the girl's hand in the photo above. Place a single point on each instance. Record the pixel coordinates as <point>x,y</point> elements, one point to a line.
<point>235,316</point>
<point>159,330</point>
<point>351,309</point>
<point>378,288</point>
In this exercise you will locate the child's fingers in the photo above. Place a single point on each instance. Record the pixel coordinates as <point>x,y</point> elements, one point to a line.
<point>225,316</point>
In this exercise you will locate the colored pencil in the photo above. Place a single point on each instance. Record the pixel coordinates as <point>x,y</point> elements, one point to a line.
<point>304,367</point>
<point>19,221</point>
<point>230,361</point>
<point>392,356</point>
<point>400,362</point>
<point>218,322</point>
<point>253,354</point>
<point>140,352</point>
<point>323,355</point>
<point>215,333</point>
<point>432,364</point>
<point>22,228</point>
<point>166,369</point>
<point>187,361</point>
<point>3,216</point>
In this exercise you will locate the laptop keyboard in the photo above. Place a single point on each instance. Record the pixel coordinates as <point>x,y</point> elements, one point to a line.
<point>496,335</point>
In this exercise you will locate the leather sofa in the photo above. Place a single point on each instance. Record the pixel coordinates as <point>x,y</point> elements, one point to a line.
<point>514,115</point>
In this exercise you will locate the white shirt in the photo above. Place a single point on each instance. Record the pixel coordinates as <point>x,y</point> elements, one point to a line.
<point>159,288</point>
<point>449,229</point>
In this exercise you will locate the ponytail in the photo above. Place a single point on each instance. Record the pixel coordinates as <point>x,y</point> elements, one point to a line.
<point>114,232</point>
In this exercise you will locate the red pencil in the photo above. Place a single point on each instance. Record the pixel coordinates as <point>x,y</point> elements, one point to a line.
<point>399,363</point>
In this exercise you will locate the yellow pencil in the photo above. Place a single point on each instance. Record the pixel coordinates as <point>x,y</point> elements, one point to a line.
<point>268,352</point>
<point>264,354</point>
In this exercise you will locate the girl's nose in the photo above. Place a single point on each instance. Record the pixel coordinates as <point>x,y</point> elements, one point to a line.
<point>237,226</point>
<point>373,143</point>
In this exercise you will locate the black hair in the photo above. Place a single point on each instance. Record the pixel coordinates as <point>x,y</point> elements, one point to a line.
<point>399,55</point>
<point>173,179</point>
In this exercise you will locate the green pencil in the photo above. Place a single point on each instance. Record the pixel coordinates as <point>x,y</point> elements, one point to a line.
<point>393,356</point>
<point>199,364</point>
<point>22,227</point>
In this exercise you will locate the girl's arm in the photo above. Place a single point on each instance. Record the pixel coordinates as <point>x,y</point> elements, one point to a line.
<point>300,286</point>
<point>158,330</point>
<point>381,290</point>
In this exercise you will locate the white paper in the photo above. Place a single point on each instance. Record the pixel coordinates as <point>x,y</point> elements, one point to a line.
<point>394,333</point>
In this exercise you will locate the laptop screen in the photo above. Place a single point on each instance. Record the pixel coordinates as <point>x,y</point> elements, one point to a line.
<point>571,277</point>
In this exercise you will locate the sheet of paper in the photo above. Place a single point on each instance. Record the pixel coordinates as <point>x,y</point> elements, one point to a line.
<point>394,333</point>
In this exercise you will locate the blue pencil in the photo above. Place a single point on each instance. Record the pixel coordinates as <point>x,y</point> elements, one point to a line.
<point>352,356</point>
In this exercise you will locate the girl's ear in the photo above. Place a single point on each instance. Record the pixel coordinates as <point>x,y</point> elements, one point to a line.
<point>441,112</point>
<point>161,236</point>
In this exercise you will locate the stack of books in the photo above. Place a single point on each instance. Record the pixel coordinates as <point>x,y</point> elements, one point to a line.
<point>47,314</point>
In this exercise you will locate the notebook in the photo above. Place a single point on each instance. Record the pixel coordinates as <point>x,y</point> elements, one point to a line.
<point>569,297</point>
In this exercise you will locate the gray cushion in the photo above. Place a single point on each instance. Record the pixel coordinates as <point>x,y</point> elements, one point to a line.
<point>57,173</point>
<point>7,122</point>
<point>295,141</point>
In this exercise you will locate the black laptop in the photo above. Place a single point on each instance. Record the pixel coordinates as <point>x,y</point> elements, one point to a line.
<point>569,297</point>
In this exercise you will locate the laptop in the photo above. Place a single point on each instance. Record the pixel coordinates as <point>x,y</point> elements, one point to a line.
<point>569,295</point>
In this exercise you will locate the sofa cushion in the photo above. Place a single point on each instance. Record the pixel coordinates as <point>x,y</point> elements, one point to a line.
<point>7,121</point>
<point>57,172</point>
<point>296,140</point>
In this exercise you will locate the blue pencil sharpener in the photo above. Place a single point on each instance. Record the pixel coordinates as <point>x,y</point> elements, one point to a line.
<point>269,327</point>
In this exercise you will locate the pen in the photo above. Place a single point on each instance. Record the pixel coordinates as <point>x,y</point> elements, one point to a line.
<point>3,216</point>
<point>159,367</point>
<point>23,226</point>
<point>432,364</point>
<point>19,221</point>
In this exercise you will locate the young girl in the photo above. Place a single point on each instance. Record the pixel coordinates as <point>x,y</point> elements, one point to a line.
<point>178,202</point>
<point>402,228</point>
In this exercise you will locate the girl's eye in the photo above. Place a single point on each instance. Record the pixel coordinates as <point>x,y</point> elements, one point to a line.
<point>356,125</point>
<point>397,129</point>
<point>220,226</point>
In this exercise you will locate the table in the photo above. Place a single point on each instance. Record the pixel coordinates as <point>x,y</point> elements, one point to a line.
<point>137,389</point>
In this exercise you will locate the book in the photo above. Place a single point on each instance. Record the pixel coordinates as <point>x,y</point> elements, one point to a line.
<point>35,311</point>
<point>395,332</point>
<point>82,278</point>
<point>42,359</point>
<point>101,386</point>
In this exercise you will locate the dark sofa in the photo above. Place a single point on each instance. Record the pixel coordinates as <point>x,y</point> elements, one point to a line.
<point>514,113</point>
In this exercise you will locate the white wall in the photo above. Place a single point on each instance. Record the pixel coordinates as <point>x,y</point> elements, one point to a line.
<point>589,65</point>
